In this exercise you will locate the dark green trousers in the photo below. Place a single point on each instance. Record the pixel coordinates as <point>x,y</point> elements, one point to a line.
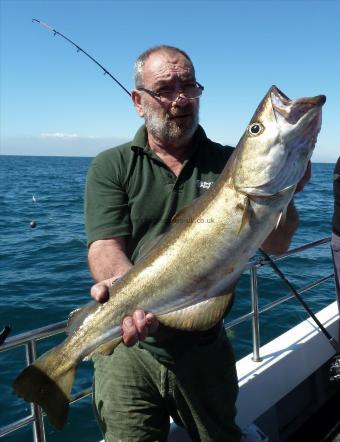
<point>134,394</point>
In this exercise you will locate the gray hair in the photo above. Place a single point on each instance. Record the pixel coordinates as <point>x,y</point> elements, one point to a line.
<point>139,64</point>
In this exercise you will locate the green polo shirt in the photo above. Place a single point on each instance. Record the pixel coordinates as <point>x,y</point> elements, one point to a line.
<point>131,192</point>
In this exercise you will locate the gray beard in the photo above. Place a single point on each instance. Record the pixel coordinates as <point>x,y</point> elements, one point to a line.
<point>168,130</point>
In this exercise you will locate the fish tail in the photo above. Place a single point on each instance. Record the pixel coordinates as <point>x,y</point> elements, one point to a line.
<point>47,386</point>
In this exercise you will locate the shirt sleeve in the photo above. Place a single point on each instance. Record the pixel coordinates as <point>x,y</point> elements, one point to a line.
<point>106,202</point>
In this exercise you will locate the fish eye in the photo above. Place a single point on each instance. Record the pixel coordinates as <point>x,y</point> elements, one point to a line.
<point>255,129</point>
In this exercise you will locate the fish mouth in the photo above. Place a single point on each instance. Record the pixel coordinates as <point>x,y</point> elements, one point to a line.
<point>295,111</point>
<point>293,129</point>
<point>298,122</point>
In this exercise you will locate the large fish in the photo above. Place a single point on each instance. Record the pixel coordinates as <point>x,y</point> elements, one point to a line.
<point>187,276</point>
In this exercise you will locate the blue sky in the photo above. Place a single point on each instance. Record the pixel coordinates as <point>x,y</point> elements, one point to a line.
<point>57,102</point>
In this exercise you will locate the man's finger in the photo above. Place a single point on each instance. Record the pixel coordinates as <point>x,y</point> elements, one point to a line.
<point>140,323</point>
<point>100,292</point>
<point>129,331</point>
<point>152,323</point>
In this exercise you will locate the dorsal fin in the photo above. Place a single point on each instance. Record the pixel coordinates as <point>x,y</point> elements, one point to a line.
<point>181,215</point>
<point>76,317</point>
<point>145,249</point>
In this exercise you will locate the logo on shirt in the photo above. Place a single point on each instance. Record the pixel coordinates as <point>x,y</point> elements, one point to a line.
<point>204,184</point>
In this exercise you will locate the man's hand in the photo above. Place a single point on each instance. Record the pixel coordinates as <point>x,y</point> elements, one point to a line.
<point>100,291</point>
<point>134,328</point>
<point>138,326</point>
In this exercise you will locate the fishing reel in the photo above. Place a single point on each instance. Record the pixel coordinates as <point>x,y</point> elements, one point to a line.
<point>334,369</point>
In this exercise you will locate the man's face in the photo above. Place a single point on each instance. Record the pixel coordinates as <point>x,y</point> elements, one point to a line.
<point>170,122</point>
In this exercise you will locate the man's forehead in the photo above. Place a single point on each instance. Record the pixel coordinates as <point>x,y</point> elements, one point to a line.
<point>165,65</point>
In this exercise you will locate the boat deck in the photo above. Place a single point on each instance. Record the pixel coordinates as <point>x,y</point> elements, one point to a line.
<point>323,426</point>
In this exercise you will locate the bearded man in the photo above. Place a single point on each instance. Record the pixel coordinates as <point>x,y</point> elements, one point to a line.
<point>133,191</point>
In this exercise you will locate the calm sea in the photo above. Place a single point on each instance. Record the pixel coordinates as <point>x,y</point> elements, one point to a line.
<point>44,275</point>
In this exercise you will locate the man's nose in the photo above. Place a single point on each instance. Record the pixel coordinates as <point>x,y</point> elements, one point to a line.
<point>181,100</point>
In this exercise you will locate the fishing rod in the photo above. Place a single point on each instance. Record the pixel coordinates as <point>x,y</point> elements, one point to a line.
<point>335,365</point>
<point>33,223</point>
<point>79,49</point>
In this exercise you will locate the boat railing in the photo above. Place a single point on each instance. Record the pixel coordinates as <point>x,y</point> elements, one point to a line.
<point>29,339</point>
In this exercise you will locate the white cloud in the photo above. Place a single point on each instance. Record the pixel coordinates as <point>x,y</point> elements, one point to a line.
<point>59,135</point>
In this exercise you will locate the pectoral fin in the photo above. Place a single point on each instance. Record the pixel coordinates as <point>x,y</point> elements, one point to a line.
<point>246,214</point>
<point>105,349</point>
<point>201,316</point>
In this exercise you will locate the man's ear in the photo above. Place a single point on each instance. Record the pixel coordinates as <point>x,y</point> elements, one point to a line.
<point>136,98</point>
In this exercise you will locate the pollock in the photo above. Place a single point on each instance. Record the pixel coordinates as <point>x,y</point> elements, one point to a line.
<point>187,276</point>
